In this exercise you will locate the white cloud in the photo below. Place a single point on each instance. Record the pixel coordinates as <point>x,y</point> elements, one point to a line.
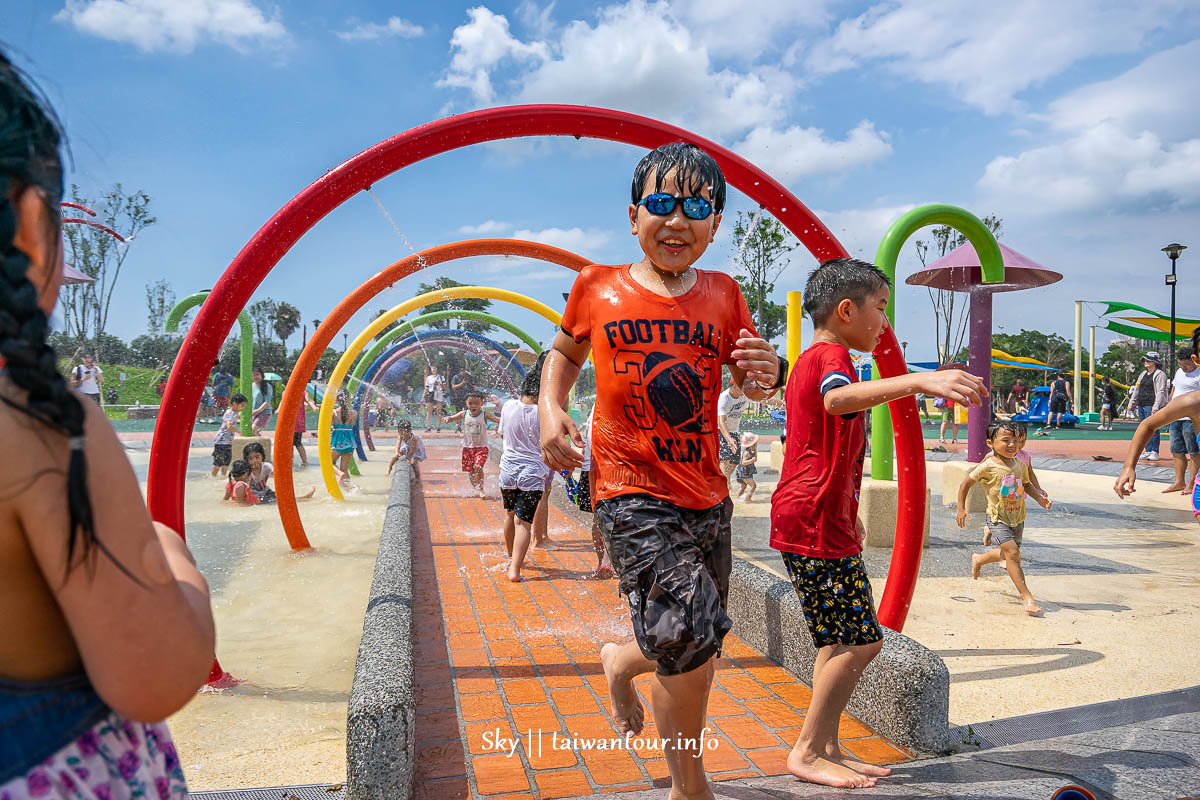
<point>1102,166</point>
<point>988,53</point>
<point>576,240</point>
<point>636,57</point>
<point>536,20</point>
<point>797,152</point>
<point>479,46</point>
<point>395,26</point>
<point>1150,96</point>
<point>861,229</point>
<point>737,31</point>
<point>485,228</point>
<point>158,25</point>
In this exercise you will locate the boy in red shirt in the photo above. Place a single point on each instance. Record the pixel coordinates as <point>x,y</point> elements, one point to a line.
<point>814,510</point>
<point>661,331</point>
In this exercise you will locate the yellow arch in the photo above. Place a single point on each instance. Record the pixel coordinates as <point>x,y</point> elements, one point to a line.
<point>325,423</point>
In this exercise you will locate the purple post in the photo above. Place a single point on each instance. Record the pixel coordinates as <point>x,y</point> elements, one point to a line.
<point>979,330</point>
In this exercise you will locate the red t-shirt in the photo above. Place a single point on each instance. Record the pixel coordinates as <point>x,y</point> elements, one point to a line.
<point>658,374</point>
<point>301,425</point>
<point>815,505</point>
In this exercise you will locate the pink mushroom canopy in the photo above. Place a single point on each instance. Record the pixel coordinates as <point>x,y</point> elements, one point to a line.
<point>958,271</point>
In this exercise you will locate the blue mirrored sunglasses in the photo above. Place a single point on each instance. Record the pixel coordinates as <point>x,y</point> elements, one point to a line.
<point>660,205</point>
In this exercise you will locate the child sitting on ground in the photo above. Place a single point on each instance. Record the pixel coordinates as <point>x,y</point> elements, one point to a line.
<point>261,471</point>
<point>523,473</point>
<point>223,442</point>
<point>1004,476</point>
<point>474,430</point>
<point>746,469</point>
<point>814,510</point>
<point>409,447</point>
<point>237,488</point>
<point>660,331</point>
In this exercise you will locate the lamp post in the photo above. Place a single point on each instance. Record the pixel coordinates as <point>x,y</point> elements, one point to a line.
<point>1173,250</point>
<point>904,351</point>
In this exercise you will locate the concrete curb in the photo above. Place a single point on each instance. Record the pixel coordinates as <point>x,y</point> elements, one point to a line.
<point>904,693</point>
<point>381,717</point>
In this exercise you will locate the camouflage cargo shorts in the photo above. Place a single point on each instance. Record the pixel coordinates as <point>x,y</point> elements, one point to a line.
<point>674,566</point>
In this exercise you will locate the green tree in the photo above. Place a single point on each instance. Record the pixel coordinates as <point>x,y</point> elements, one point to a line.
<point>285,321</point>
<point>1048,347</point>
<point>99,255</point>
<point>262,315</point>
<point>1122,361</point>
<point>949,308</point>
<point>456,304</point>
<point>160,299</point>
<point>760,253</point>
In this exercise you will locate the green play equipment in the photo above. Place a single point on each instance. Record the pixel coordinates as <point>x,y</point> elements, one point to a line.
<point>246,360</point>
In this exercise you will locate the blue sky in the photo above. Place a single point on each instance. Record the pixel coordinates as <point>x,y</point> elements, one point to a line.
<point>1076,122</point>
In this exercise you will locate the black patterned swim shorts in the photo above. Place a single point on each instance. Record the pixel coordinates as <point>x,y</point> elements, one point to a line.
<point>836,597</point>
<point>674,566</point>
<point>521,502</point>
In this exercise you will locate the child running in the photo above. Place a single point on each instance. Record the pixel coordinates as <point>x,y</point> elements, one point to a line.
<point>223,442</point>
<point>1005,477</point>
<point>409,447</point>
<point>107,624</point>
<point>523,473</point>
<point>474,429</point>
<point>341,440</point>
<point>661,330</point>
<point>814,510</point>
<point>746,469</point>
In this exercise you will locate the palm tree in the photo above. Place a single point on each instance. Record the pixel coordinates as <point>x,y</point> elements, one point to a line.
<point>285,321</point>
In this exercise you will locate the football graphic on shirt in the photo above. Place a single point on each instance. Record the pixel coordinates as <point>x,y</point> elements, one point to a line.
<point>674,389</point>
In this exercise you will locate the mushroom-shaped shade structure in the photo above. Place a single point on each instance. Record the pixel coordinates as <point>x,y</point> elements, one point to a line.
<point>959,271</point>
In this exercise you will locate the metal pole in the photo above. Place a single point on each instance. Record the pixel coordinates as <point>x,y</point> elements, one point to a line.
<point>1091,370</point>
<point>1078,352</point>
<point>1171,354</point>
<point>980,349</point>
<point>795,310</point>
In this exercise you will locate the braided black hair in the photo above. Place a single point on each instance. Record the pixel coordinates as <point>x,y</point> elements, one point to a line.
<point>29,157</point>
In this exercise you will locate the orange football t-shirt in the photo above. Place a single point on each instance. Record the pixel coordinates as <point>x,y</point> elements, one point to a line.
<point>658,375</point>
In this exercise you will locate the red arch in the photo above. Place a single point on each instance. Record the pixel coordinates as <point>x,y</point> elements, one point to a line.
<point>168,456</point>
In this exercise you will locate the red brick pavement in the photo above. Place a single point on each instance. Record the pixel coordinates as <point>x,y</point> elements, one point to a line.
<point>521,662</point>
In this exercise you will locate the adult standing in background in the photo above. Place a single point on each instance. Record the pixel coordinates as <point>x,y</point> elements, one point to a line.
<point>1060,401</point>
<point>1149,395</point>
<point>88,377</point>
<point>1184,451</point>
<point>222,383</point>
<point>264,394</point>
<point>435,397</point>
<point>1018,398</point>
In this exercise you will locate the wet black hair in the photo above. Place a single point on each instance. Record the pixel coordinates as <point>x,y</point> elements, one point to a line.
<point>253,447</point>
<point>237,398</point>
<point>30,137</point>
<point>239,467</point>
<point>476,393</point>
<point>1185,353</point>
<point>1015,428</point>
<point>404,425</point>
<point>532,387</point>
<point>840,279</point>
<point>695,170</point>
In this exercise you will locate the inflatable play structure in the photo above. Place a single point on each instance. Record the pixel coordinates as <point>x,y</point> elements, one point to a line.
<point>1039,409</point>
<point>168,458</point>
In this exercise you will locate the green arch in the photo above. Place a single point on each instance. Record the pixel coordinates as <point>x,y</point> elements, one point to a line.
<point>991,264</point>
<point>408,327</point>
<point>246,361</point>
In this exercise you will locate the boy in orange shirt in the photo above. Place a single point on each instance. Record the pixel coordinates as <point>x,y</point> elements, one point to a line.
<point>661,331</point>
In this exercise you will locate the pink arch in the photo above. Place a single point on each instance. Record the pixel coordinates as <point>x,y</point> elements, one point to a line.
<point>168,456</point>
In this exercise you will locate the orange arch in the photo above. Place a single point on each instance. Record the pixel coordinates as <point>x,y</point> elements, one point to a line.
<point>285,491</point>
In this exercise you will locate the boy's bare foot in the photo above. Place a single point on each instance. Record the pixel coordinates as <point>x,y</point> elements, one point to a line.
<point>546,544</point>
<point>820,769</point>
<point>975,565</point>
<point>1031,607</point>
<point>1174,487</point>
<point>311,491</point>
<point>705,794</point>
<point>627,709</point>
<point>861,767</point>
<point>514,574</point>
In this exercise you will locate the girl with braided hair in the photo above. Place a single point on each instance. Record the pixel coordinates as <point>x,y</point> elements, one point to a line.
<point>108,628</point>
